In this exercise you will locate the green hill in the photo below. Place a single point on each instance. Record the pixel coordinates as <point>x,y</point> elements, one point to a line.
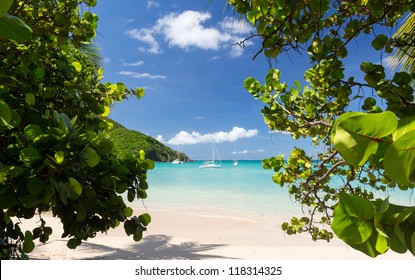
<point>132,141</point>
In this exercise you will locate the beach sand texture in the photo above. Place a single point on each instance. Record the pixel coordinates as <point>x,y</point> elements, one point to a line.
<point>184,236</point>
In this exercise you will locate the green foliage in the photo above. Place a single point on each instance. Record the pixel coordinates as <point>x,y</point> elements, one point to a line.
<point>56,154</point>
<point>12,27</point>
<point>374,227</point>
<point>364,152</point>
<point>132,141</point>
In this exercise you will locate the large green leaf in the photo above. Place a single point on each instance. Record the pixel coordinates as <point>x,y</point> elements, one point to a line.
<point>5,6</point>
<point>32,131</point>
<point>404,126</point>
<point>5,113</point>
<point>90,156</point>
<point>352,216</point>
<point>399,162</point>
<point>356,137</point>
<point>29,155</point>
<point>13,28</point>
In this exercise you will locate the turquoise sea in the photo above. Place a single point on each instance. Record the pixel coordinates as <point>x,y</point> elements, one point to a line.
<point>244,191</point>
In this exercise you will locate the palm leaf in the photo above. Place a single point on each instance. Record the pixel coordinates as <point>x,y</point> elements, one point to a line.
<point>404,57</point>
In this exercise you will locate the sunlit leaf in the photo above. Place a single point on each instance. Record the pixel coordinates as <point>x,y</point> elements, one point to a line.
<point>5,113</point>
<point>59,157</point>
<point>399,160</point>
<point>90,156</point>
<point>356,137</point>
<point>32,131</point>
<point>351,219</point>
<point>77,187</point>
<point>77,66</point>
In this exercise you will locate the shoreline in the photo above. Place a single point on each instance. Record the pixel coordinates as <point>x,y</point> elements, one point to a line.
<point>186,236</point>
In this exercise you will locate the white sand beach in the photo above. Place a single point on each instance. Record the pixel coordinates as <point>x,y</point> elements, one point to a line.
<point>186,236</point>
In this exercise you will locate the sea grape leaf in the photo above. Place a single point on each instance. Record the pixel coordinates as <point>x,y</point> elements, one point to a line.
<point>369,246</point>
<point>32,131</point>
<point>404,126</point>
<point>5,6</point>
<point>28,244</point>
<point>14,29</point>
<point>77,66</point>
<point>5,113</point>
<point>356,137</point>
<point>29,155</point>
<point>379,42</point>
<point>59,157</point>
<point>352,216</point>
<point>399,160</point>
<point>145,219</point>
<point>77,187</point>
<point>90,156</point>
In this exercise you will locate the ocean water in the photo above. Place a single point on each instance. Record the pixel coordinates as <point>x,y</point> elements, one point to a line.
<point>245,191</point>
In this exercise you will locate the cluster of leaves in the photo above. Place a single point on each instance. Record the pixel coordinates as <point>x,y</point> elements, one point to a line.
<point>365,151</point>
<point>132,141</point>
<point>56,155</point>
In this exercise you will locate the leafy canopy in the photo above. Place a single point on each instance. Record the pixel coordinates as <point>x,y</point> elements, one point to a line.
<point>55,153</point>
<point>366,149</point>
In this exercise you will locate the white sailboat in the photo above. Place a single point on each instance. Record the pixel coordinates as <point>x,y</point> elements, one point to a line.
<point>212,163</point>
<point>235,162</point>
<point>177,161</point>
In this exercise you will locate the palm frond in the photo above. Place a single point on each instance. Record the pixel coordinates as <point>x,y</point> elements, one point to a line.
<point>404,57</point>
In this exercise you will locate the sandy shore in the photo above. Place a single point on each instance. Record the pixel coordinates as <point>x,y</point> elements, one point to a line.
<point>173,236</point>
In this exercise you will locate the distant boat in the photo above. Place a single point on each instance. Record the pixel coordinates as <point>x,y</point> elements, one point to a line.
<point>212,163</point>
<point>177,161</point>
<point>235,162</point>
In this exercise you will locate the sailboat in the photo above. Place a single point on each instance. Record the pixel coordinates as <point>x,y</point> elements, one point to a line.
<point>177,161</point>
<point>235,162</point>
<point>212,163</point>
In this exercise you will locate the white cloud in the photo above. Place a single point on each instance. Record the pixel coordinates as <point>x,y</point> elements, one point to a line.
<point>145,35</point>
<point>241,152</point>
<point>160,138</point>
<point>186,30</point>
<point>388,62</point>
<point>141,75</point>
<point>106,60</point>
<point>152,4</point>
<point>186,138</point>
<point>137,63</point>
<point>189,30</point>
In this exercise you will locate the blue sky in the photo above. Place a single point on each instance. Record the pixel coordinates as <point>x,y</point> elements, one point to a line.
<point>181,52</point>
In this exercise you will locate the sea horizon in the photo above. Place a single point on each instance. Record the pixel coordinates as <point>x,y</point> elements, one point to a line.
<point>245,191</point>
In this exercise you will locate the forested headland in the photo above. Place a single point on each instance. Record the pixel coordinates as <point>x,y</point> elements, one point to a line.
<point>133,141</point>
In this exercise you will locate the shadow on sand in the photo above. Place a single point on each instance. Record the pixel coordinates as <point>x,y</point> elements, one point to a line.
<point>156,247</point>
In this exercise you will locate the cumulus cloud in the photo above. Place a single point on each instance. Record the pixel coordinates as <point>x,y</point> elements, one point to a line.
<point>186,138</point>
<point>136,75</point>
<point>189,30</point>
<point>160,138</point>
<point>145,35</point>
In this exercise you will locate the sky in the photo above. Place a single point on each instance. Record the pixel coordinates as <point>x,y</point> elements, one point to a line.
<point>183,53</point>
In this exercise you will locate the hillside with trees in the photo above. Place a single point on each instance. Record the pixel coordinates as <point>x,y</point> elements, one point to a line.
<point>132,141</point>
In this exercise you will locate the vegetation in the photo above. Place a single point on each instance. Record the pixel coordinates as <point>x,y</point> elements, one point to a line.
<point>366,127</point>
<point>55,152</point>
<point>131,141</point>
